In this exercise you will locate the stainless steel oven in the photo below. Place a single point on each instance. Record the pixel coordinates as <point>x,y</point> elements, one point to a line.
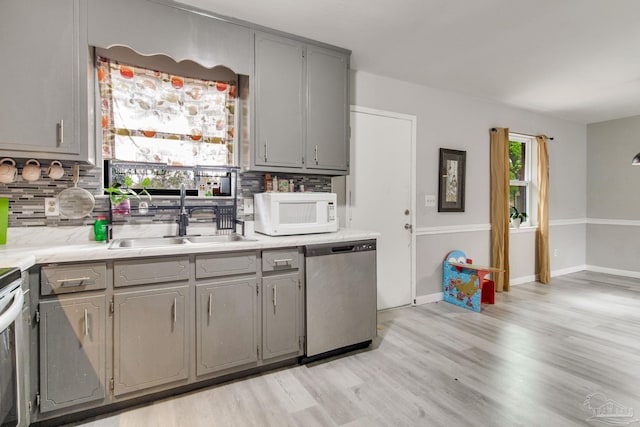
<point>13,368</point>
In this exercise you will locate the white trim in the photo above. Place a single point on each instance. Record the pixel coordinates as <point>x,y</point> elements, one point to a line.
<point>561,222</point>
<point>426,299</point>
<point>450,229</point>
<point>574,269</point>
<point>614,271</point>
<point>429,298</point>
<point>622,222</point>
<point>412,119</point>
<point>521,280</point>
<point>523,229</point>
<point>470,228</point>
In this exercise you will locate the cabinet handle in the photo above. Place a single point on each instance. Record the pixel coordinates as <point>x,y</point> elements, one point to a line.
<point>86,323</point>
<point>316,154</point>
<point>266,141</point>
<point>61,132</point>
<point>284,261</point>
<point>275,296</point>
<point>210,302</point>
<point>77,279</point>
<point>175,313</point>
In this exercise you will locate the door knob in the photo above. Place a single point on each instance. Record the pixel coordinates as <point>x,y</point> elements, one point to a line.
<point>408,227</point>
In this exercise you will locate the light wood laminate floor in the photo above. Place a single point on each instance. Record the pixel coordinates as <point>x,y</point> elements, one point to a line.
<point>532,359</point>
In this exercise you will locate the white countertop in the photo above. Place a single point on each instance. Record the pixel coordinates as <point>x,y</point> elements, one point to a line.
<point>38,251</point>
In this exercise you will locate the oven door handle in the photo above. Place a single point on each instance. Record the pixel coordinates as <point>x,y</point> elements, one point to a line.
<point>12,313</point>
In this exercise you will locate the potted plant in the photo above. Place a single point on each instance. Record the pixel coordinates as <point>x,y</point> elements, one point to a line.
<point>120,195</point>
<point>517,217</point>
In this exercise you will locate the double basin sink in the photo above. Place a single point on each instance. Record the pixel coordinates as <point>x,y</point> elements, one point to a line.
<point>155,242</point>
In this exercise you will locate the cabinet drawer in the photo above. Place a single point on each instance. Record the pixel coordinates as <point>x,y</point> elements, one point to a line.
<point>225,264</point>
<point>280,259</point>
<point>60,279</point>
<point>156,270</point>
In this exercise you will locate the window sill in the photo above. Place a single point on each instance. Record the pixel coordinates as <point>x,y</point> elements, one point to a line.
<point>523,229</point>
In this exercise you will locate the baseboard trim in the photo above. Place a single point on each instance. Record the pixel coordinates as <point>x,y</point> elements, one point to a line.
<point>614,271</point>
<point>426,299</point>
<point>569,270</point>
<point>522,280</point>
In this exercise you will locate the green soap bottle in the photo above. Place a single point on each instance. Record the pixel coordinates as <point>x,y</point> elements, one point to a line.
<point>100,228</point>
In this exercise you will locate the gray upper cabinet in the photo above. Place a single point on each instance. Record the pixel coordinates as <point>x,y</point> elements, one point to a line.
<point>301,109</point>
<point>150,338</point>
<point>152,28</point>
<point>327,109</point>
<point>44,94</point>
<point>226,325</point>
<point>278,93</point>
<point>72,352</point>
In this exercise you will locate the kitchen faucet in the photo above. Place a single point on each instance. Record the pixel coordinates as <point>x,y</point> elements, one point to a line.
<point>183,218</point>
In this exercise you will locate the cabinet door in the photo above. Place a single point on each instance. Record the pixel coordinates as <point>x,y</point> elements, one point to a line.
<point>280,315</point>
<point>40,72</point>
<point>327,109</point>
<point>279,101</point>
<point>150,338</point>
<point>226,328</point>
<point>72,352</point>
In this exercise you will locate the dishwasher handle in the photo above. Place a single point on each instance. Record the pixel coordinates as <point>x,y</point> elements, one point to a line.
<point>339,249</point>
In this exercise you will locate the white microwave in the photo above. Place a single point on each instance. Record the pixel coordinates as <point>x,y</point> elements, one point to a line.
<point>283,214</point>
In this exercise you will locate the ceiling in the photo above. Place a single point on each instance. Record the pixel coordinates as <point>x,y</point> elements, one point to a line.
<point>574,59</point>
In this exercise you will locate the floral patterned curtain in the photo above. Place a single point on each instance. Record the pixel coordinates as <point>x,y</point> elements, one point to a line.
<point>155,117</point>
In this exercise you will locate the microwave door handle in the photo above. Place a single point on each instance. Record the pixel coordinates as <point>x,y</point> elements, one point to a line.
<point>12,313</point>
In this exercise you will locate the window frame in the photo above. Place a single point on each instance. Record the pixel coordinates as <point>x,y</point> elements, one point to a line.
<point>530,177</point>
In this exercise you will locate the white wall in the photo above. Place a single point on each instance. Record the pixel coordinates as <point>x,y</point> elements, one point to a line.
<point>613,197</point>
<point>450,120</point>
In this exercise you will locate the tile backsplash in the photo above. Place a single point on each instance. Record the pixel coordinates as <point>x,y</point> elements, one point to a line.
<point>27,199</point>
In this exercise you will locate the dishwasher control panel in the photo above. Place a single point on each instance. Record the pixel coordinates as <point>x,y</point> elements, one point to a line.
<point>340,248</point>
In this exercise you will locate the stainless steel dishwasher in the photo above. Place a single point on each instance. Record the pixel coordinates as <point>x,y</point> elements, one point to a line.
<point>340,297</point>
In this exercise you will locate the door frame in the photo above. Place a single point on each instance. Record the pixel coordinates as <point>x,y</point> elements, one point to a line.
<point>412,218</point>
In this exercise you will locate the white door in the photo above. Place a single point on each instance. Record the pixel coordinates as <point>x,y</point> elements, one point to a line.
<point>380,196</point>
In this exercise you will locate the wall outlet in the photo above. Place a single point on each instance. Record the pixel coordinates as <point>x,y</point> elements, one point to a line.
<point>248,205</point>
<point>555,252</point>
<point>430,201</point>
<point>51,207</point>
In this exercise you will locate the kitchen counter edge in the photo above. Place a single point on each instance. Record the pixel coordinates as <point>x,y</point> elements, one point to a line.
<point>92,251</point>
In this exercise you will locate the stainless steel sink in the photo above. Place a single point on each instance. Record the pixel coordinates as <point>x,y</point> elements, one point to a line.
<point>147,242</point>
<point>222,238</point>
<point>155,242</point>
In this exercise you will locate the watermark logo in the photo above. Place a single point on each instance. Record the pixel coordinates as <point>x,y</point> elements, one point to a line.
<point>608,411</point>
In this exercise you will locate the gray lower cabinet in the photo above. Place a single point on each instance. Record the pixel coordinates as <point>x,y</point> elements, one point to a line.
<point>150,338</point>
<point>72,352</point>
<point>281,305</point>
<point>44,74</point>
<point>235,310</point>
<point>226,324</point>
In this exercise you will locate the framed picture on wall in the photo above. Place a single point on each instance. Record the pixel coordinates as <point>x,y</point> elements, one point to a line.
<point>452,168</point>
